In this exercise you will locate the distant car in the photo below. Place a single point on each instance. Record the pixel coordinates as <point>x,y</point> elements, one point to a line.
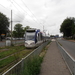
<point>19,38</point>
<point>9,38</point>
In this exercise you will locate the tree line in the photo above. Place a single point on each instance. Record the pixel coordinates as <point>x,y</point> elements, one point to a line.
<point>19,30</point>
<point>68,28</point>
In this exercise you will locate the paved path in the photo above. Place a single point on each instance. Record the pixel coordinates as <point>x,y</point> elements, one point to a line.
<point>53,63</point>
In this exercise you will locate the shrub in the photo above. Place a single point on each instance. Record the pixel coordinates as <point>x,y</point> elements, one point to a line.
<point>32,67</point>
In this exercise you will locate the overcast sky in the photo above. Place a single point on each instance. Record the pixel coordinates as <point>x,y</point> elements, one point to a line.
<point>40,14</point>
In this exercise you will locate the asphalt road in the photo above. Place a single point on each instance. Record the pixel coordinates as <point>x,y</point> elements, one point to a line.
<point>68,46</point>
<point>3,43</point>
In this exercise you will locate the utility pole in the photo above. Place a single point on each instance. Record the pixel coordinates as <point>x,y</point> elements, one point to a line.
<point>43,28</point>
<point>11,27</point>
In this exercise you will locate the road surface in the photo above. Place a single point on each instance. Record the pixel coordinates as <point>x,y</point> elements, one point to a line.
<point>68,46</point>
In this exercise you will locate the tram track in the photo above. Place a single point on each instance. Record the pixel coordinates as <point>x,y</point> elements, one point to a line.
<point>17,55</point>
<point>11,55</point>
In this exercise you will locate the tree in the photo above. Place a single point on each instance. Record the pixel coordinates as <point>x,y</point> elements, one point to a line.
<point>27,27</point>
<point>18,31</point>
<point>4,24</point>
<point>67,27</point>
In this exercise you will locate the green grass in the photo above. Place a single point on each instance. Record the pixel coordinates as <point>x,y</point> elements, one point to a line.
<point>6,61</point>
<point>32,67</point>
<point>18,53</point>
<point>10,59</point>
<point>11,50</point>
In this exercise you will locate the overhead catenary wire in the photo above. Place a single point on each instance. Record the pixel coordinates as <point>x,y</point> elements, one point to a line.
<point>16,6</point>
<point>29,9</point>
<point>24,10</point>
<point>17,9</point>
<point>10,10</point>
<point>14,3</point>
<point>13,12</point>
<point>3,6</point>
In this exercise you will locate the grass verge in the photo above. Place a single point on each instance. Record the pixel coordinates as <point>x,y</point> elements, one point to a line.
<point>32,67</point>
<point>11,50</point>
<point>15,58</point>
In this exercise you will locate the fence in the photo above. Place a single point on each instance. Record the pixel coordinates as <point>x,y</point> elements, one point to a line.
<point>68,59</point>
<point>18,68</point>
<point>15,42</point>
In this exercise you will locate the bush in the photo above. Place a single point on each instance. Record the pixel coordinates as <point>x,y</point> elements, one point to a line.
<point>33,66</point>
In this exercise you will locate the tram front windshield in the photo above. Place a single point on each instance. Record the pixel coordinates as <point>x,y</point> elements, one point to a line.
<point>30,36</point>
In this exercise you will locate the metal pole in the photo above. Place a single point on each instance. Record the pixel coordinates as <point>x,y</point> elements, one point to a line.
<point>43,28</point>
<point>11,27</point>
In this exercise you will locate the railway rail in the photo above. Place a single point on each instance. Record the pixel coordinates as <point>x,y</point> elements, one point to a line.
<point>17,55</point>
